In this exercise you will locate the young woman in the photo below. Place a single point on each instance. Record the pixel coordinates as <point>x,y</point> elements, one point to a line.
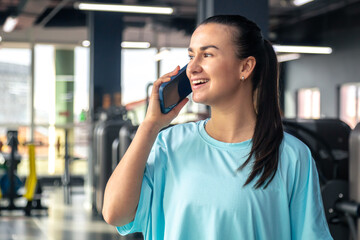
<point>236,175</point>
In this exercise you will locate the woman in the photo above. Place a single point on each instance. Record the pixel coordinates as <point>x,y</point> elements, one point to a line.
<point>233,176</point>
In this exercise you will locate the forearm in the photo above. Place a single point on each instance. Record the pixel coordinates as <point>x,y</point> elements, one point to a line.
<point>123,189</point>
<point>122,192</point>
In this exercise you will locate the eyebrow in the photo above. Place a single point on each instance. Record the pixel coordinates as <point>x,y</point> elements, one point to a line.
<point>204,48</point>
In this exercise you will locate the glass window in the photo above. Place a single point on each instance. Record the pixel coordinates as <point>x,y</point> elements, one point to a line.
<point>308,103</point>
<point>350,103</point>
<point>81,89</point>
<point>15,77</point>
<point>138,70</point>
<point>44,100</point>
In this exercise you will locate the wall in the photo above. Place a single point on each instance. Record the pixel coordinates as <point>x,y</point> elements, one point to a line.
<point>326,72</point>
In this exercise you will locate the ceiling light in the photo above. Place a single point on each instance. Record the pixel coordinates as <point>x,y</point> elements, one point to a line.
<point>10,24</point>
<point>288,57</point>
<point>126,44</point>
<point>123,8</point>
<point>85,43</point>
<point>302,49</point>
<point>301,2</point>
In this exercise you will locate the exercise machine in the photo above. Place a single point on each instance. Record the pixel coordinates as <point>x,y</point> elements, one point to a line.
<point>11,183</point>
<point>354,166</point>
<point>105,132</point>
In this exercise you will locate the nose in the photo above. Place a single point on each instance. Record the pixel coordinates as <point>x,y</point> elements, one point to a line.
<point>193,67</point>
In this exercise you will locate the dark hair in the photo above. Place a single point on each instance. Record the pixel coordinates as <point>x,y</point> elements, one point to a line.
<point>268,132</point>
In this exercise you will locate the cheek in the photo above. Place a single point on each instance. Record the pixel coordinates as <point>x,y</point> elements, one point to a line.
<point>224,72</point>
<point>188,72</point>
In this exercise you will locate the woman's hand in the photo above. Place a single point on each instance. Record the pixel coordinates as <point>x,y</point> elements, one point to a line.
<point>154,116</point>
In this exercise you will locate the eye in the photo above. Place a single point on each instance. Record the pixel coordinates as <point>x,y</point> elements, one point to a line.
<point>191,57</point>
<point>207,55</point>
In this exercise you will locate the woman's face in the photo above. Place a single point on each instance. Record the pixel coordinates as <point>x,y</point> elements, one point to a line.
<point>213,69</point>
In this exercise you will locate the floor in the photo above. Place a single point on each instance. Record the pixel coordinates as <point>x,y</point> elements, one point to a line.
<point>60,222</point>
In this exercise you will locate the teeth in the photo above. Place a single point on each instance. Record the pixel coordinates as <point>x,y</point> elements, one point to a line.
<point>200,81</point>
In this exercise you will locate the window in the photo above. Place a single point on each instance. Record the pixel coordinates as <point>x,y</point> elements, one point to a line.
<point>15,76</point>
<point>15,89</point>
<point>138,70</point>
<point>308,103</point>
<point>44,85</point>
<point>349,109</point>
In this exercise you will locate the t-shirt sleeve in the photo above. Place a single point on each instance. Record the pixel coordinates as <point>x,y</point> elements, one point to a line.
<point>141,220</point>
<point>306,207</point>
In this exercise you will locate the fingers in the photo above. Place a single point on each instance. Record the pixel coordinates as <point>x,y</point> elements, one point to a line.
<point>154,113</point>
<point>173,72</point>
<point>163,79</point>
<point>176,110</point>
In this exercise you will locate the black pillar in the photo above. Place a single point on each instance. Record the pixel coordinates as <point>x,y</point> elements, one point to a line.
<point>105,34</point>
<point>257,11</point>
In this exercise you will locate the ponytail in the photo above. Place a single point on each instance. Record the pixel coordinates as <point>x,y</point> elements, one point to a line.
<point>268,132</point>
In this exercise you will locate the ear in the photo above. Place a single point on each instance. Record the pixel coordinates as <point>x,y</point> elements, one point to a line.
<point>247,67</point>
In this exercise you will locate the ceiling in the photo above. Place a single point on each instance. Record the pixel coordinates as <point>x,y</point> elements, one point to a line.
<point>57,21</point>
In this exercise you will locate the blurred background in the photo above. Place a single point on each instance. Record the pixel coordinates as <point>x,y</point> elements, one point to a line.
<point>73,75</point>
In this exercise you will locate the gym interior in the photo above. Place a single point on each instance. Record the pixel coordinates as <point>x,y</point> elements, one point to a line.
<point>75,83</point>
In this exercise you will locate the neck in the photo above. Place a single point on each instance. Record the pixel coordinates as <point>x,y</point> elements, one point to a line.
<point>232,124</point>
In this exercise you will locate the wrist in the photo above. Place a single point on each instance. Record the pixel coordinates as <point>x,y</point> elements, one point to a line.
<point>150,127</point>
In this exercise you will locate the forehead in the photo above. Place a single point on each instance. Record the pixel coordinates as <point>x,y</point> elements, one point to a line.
<point>212,34</point>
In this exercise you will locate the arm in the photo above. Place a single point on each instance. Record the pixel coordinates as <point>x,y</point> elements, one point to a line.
<point>122,192</point>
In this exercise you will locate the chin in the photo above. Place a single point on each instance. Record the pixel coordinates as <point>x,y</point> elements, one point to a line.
<point>197,99</point>
<point>200,101</point>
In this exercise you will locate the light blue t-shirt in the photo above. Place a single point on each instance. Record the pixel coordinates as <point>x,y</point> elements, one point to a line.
<point>192,190</point>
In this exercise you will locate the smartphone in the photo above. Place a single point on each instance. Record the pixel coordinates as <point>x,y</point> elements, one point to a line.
<point>173,92</point>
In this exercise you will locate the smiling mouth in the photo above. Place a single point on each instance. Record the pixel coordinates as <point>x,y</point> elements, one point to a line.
<point>199,82</point>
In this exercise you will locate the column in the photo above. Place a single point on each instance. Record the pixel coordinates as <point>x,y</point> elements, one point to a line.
<point>105,34</point>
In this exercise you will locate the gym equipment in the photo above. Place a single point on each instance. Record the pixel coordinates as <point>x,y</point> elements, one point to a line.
<point>65,180</point>
<point>11,163</point>
<point>10,183</point>
<point>126,135</point>
<point>115,157</point>
<point>33,189</point>
<point>31,180</point>
<point>148,87</point>
<point>5,184</point>
<point>7,179</point>
<point>354,165</point>
<point>328,140</point>
<point>105,132</point>
<point>121,144</point>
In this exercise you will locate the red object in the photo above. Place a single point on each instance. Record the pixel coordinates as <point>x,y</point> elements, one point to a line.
<point>65,114</point>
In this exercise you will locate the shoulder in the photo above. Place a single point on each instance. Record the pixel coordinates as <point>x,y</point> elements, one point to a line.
<point>293,147</point>
<point>295,157</point>
<point>179,135</point>
<point>295,163</point>
<point>171,139</point>
<point>179,130</point>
